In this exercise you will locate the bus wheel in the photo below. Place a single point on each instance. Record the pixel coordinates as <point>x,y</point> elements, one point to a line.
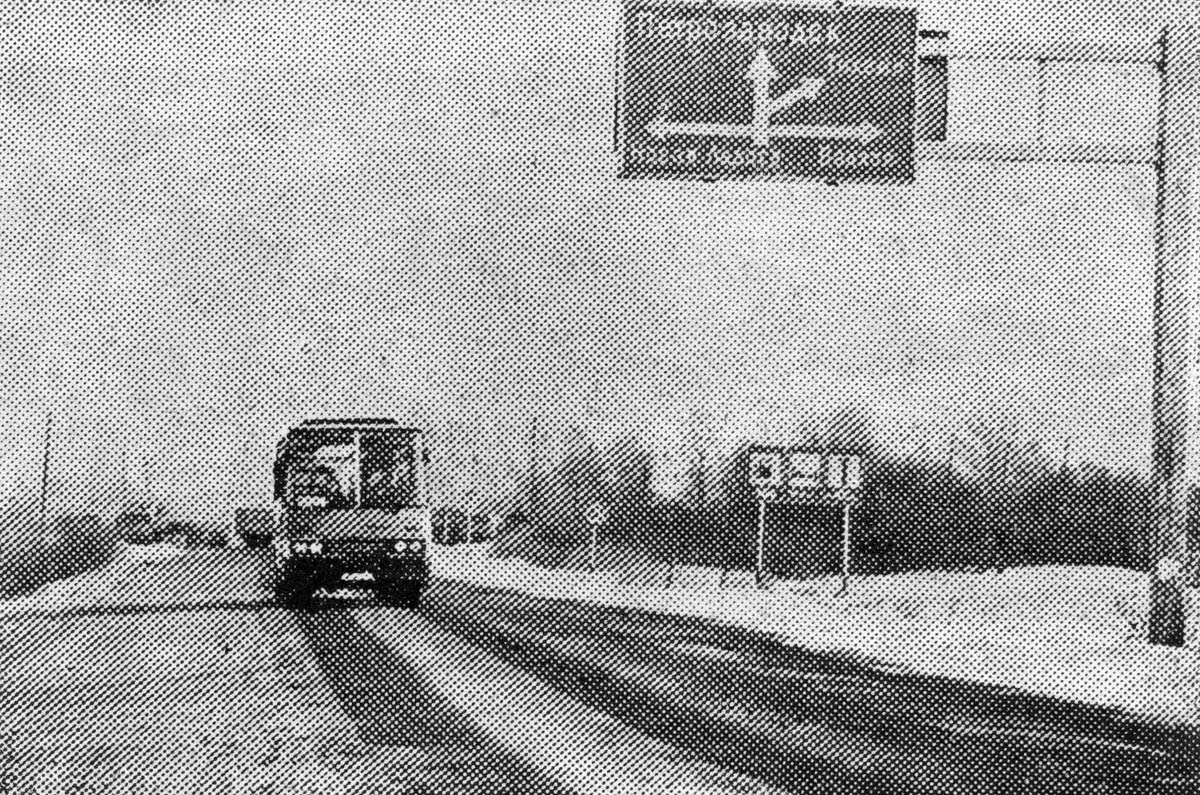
<point>293,594</point>
<point>401,594</point>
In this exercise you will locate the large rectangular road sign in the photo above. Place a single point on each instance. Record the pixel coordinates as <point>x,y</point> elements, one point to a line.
<point>804,475</point>
<point>735,91</point>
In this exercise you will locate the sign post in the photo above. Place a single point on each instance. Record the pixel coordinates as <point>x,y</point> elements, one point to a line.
<point>806,476</point>
<point>760,574</point>
<point>845,548</point>
<point>765,476</point>
<point>597,514</point>
<point>1175,152</point>
<point>43,525</point>
<point>744,90</point>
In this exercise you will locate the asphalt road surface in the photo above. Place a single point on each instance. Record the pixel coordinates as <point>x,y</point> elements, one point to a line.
<point>183,676</point>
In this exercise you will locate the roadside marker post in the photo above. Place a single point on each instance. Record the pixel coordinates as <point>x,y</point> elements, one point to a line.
<point>597,514</point>
<point>760,574</point>
<point>845,550</point>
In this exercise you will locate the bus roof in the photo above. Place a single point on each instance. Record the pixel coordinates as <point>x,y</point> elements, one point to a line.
<point>353,423</point>
<point>368,424</point>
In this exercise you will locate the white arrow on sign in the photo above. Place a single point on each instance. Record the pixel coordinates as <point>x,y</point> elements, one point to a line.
<point>761,73</point>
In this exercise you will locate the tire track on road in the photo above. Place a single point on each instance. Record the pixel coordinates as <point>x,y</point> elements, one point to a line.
<point>147,693</point>
<point>393,705</point>
<point>588,751</point>
<point>656,703</point>
<point>680,680</point>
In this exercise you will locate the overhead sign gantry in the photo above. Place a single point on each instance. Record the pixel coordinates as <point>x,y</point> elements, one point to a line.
<point>752,91</point>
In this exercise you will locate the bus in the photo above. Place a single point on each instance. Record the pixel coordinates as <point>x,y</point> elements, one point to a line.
<point>352,510</point>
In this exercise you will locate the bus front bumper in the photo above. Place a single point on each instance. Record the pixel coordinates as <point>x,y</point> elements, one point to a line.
<point>325,572</point>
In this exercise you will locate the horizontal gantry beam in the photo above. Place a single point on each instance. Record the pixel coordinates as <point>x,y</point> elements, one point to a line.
<point>1146,52</point>
<point>1034,152</point>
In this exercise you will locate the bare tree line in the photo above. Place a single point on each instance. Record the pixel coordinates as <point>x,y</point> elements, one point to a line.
<point>993,500</point>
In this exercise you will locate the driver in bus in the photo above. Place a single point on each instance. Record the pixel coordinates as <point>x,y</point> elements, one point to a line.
<point>319,487</point>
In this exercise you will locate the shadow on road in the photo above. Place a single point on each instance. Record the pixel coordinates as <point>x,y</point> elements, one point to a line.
<point>255,603</point>
<point>391,704</point>
<point>817,721</point>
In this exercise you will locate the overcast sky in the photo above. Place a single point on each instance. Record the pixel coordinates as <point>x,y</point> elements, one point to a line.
<point>218,220</point>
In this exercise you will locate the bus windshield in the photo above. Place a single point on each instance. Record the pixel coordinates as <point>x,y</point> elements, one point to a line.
<point>338,469</point>
<point>389,471</point>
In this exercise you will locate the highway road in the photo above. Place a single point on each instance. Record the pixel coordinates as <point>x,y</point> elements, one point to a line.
<point>183,676</point>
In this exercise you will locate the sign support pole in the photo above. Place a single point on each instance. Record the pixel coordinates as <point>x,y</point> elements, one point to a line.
<point>1173,159</point>
<point>1173,162</point>
<point>845,549</point>
<point>43,526</point>
<point>597,514</point>
<point>592,546</point>
<point>759,568</point>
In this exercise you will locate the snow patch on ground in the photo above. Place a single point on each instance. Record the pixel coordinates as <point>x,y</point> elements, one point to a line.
<point>154,553</point>
<point>1070,632</point>
<point>83,591</point>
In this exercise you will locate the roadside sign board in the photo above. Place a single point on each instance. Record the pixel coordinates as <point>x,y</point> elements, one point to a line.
<point>597,513</point>
<point>804,470</point>
<point>834,472</point>
<point>753,91</point>
<point>766,469</point>
<point>804,474</point>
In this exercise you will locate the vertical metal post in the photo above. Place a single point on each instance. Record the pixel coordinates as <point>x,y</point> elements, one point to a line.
<point>592,542</point>
<point>845,548</point>
<point>357,475</point>
<point>1169,478</point>
<point>759,562</point>
<point>533,473</point>
<point>45,475</point>
<point>475,499</point>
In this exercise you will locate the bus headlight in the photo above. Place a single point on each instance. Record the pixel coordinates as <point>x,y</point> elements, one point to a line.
<point>405,545</point>
<point>306,547</point>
